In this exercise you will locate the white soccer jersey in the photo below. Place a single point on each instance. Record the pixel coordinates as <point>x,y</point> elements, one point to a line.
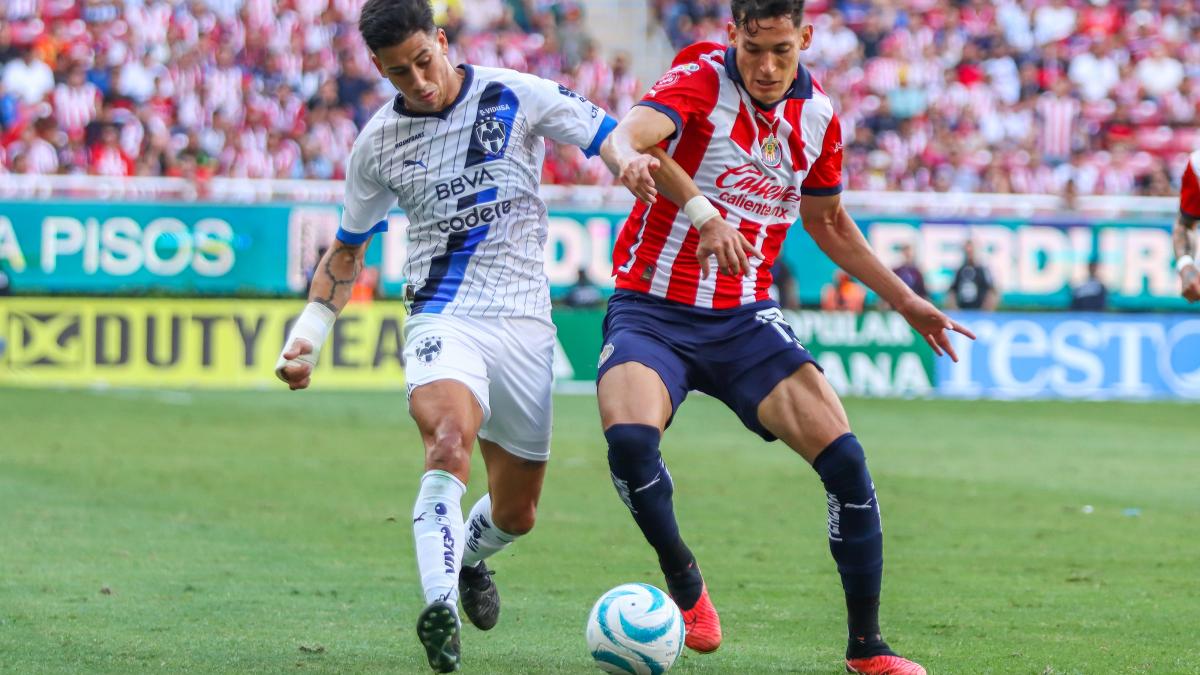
<point>467,178</point>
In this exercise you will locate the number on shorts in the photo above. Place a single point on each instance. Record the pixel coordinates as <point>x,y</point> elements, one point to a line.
<point>774,318</point>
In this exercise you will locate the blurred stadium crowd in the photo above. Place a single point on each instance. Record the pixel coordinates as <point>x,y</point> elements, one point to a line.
<point>1073,97</point>
<point>1038,96</point>
<point>245,88</point>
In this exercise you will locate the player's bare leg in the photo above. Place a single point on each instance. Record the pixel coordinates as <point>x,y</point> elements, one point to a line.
<point>634,410</point>
<point>448,416</point>
<point>506,512</point>
<point>805,412</point>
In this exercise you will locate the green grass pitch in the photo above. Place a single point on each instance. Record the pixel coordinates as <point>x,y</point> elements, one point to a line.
<point>269,532</point>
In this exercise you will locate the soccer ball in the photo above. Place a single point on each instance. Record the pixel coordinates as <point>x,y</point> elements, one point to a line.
<point>635,629</point>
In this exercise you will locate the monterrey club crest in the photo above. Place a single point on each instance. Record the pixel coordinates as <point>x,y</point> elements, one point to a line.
<point>429,349</point>
<point>772,151</point>
<point>491,134</point>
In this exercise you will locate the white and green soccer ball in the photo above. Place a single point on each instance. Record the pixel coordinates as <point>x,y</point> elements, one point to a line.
<point>635,629</point>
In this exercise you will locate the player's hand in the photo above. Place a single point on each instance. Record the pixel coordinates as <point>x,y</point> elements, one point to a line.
<point>636,176</point>
<point>932,325</point>
<point>1190,278</point>
<point>723,240</point>
<point>296,373</point>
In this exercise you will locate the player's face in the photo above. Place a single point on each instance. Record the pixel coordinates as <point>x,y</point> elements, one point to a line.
<point>421,70</point>
<point>768,53</point>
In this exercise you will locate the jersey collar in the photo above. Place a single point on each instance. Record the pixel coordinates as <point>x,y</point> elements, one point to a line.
<point>400,108</point>
<point>802,86</point>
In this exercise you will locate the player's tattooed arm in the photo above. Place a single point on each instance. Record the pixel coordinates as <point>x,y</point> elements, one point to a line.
<point>336,274</point>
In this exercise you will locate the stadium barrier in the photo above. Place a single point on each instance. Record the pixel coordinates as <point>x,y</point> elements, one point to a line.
<point>117,247</point>
<point>233,344</point>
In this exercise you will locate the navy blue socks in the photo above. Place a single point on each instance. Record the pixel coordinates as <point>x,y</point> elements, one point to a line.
<point>855,534</point>
<point>644,484</point>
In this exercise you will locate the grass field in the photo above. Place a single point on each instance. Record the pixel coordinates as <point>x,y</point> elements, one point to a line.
<point>269,532</point>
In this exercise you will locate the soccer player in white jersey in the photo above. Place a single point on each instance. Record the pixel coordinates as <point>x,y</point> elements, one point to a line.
<point>751,144</point>
<point>461,149</point>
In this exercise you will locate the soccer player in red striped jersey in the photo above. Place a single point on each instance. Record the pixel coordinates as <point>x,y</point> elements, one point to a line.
<point>1184,234</point>
<point>741,142</point>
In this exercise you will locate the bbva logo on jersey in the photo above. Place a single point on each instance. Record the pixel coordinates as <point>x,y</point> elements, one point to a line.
<point>491,134</point>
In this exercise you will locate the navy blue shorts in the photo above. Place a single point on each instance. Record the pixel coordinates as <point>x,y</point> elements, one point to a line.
<point>735,355</point>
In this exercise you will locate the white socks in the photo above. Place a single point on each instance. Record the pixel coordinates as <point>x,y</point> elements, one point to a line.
<point>438,534</point>
<point>483,537</point>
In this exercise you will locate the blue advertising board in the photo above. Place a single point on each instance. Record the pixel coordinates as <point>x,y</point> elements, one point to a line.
<point>121,247</point>
<point>59,246</point>
<point>1034,263</point>
<point>1088,356</point>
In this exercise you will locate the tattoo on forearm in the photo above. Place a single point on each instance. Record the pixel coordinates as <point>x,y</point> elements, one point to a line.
<point>1184,236</point>
<point>340,257</point>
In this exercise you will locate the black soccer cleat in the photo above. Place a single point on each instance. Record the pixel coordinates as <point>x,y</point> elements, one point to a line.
<point>479,596</point>
<point>438,629</point>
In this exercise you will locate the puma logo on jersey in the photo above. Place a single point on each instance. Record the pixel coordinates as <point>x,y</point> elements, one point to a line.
<point>415,162</point>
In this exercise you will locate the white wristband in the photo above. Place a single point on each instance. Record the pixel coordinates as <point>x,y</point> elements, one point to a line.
<point>699,210</point>
<point>312,325</point>
<point>1184,262</point>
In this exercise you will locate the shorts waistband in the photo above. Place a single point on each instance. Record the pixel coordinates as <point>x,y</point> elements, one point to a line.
<point>635,297</point>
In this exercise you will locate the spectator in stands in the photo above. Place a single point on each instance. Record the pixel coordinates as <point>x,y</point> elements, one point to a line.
<point>107,156</point>
<point>784,288</point>
<point>1160,73</point>
<point>583,293</point>
<point>909,273</point>
<point>972,287</point>
<point>1095,72</point>
<point>1053,22</point>
<point>843,294</point>
<point>1091,295</point>
<point>28,77</point>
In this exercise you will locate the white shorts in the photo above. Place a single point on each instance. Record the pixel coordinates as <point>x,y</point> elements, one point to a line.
<point>508,363</point>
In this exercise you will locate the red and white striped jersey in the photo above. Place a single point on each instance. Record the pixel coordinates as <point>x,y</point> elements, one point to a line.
<point>111,161</point>
<point>285,159</point>
<point>753,162</point>
<point>74,107</point>
<point>41,158</point>
<point>1189,196</point>
<point>1058,117</point>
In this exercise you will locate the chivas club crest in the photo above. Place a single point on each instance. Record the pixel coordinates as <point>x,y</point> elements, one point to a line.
<point>772,151</point>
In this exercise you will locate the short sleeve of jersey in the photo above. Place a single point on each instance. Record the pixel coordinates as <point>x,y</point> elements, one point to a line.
<point>561,115</point>
<point>367,199</point>
<point>683,93</point>
<point>1189,196</point>
<point>824,178</point>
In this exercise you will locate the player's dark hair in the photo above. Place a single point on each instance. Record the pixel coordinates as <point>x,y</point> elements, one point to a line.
<point>747,13</point>
<point>386,23</point>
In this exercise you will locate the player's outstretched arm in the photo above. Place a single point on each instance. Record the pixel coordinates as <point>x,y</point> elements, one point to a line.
<point>632,153</point>
<point>836,233</point>
<point>1183,236</point>
<point>332,283</point>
